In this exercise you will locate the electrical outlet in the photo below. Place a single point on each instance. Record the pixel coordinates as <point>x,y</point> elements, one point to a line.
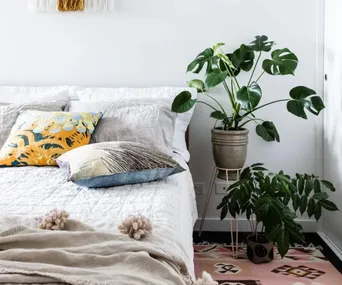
<point>199,188</point>
<point>221,187</point>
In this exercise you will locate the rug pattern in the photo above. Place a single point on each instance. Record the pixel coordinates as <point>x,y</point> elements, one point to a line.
<point>304,266</point>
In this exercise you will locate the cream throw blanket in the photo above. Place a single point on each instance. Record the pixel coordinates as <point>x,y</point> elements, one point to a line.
<point>82,256</point>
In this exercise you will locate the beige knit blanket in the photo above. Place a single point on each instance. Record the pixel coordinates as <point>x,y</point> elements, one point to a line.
<point>82,256</point>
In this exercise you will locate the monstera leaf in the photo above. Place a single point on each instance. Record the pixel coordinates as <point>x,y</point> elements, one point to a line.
<point>205,57</point>
<point>183,102</point>
<point>283,62</point>
<point>198,84</point>
<point>268,131</point>
<point>261,43</point>
<point>249,97</point>
<point>303,99</point>
<point>216,77</point>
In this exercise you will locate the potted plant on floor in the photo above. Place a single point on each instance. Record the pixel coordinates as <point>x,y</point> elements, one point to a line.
<point>230,138</point>
<point>265,198</point>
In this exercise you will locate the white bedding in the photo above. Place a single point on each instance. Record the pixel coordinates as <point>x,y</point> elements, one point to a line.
<point>170,204</point>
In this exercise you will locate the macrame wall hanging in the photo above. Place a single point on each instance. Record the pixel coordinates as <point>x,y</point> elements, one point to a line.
<point>71,5</point>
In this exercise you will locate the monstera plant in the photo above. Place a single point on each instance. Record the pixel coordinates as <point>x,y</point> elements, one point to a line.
<point>222,68</point>
<point>273,200</point>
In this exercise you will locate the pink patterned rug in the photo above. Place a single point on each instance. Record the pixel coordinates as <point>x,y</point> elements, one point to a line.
<point>301,266</point>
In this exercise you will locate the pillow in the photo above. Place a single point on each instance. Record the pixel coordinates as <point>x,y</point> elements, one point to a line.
<point>9,114</point>
<point>165,94</point>
<point>38,138</point>
<point>20,94</point>
<point>116,163</point>
<point>146,123</point>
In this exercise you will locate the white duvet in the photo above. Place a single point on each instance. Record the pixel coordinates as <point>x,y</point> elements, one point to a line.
<point>170,204</point>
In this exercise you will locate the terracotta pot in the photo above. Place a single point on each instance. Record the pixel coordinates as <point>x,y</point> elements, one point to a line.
<point>229,150</point>
<point>260,251</point>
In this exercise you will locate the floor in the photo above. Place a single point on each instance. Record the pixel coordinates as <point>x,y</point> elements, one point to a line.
<point>303,265</point>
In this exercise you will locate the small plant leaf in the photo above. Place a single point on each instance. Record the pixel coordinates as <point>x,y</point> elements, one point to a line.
<point>318,211</point>
<point>218,115</point>
<point>301,92</point>
<point>183,102</point>
<point>268,131</point>
<point>320,196</point>
<point>317,186</point>
<point>283,242</point>
<point>328,205</point>
<point>308,186</point>
<point>311,207</point>
<point>205,57</point>
<point>261,43</point>
<point>215,78</point>
<point>224,212</point>
<point>249,97</point>
<point>243,58</point>
<point>303,204</point>
<point>198,84</point>
<point>296,202</point>
<point>300,185</point>
<point>283,62</point>
<point>256,164</point>
<point>328,185</point>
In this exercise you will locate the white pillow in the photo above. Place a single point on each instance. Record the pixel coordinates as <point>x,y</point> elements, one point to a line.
<point>20,94</point>
<point>149,124</point>
<point>166,94</point>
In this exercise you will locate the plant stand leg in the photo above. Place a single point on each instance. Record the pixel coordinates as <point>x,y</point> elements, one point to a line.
<point>210,190</point>
<point>235,250</point>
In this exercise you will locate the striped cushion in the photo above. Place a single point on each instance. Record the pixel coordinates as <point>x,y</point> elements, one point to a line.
<point>116,163</point>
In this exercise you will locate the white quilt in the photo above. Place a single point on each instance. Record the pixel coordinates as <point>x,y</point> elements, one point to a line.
<point>170,204</point>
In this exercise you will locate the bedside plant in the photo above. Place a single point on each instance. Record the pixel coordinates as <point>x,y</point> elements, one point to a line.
<point>265,198</point>
<point>230,139</point>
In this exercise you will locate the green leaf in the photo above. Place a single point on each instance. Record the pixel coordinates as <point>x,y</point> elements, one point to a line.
<point>261,43</point>
<point>296,202</point>
<point>308,187</point>
<point>318,211</point>
<point>296,108</point>
<point>243,58</point>
<point>224,212</point>
<point>303,99</point>
<point>245,173</point>
<point>328,205</point>
<point>183,102</point>
<point>249,97</point>
<point>215,78</point>
<point>205,57</point>
<point>320,196</point>
<point>283,62</point>
<point>283,242</point>
<point>301,185</point>
<point>218,115</point>
<point>274,232</point>
<point>198,84</point>
<point>328,185</point>
<point>256,164</point>
<point>311,207</point>
<point>303,204</point>
<point>268,131</point>
<point>217,46</point>
<point>317,186</point>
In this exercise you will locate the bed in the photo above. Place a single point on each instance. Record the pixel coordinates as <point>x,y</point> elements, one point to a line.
<point>170,204</point>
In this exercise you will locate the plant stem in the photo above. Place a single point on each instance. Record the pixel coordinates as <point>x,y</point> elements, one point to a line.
<point>231,97</point>
<point>207,105</point>
<point>260,76</point>
<point>245,123</point>
<point>230,71</point>
<point>224,112</point>
<point>262,106</point>
<point>255,66</point>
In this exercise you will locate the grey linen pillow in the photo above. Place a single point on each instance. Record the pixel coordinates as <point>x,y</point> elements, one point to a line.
<point>151,124</point>
<point>116,163</point>
<point>9,114</point>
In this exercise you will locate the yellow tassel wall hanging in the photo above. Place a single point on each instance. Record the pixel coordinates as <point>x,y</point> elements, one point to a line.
<point>70,5</point>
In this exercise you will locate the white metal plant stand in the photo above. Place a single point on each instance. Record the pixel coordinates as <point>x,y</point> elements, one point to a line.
<point>235,248</point>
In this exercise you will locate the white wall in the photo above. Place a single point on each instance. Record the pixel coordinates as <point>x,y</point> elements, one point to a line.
<point>333,118</point>
<point>149,43</point>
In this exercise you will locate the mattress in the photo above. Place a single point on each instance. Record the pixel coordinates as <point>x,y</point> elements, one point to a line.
<point>170,204</point>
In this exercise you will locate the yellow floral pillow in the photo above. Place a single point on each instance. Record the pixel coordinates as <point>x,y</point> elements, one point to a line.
<point>38,138</point>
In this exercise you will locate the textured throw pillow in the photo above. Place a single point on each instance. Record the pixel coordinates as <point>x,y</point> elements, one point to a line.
<point>10,112</point>
<point>38,138</point>
<point>116,163</point>
<point>151,124</point>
